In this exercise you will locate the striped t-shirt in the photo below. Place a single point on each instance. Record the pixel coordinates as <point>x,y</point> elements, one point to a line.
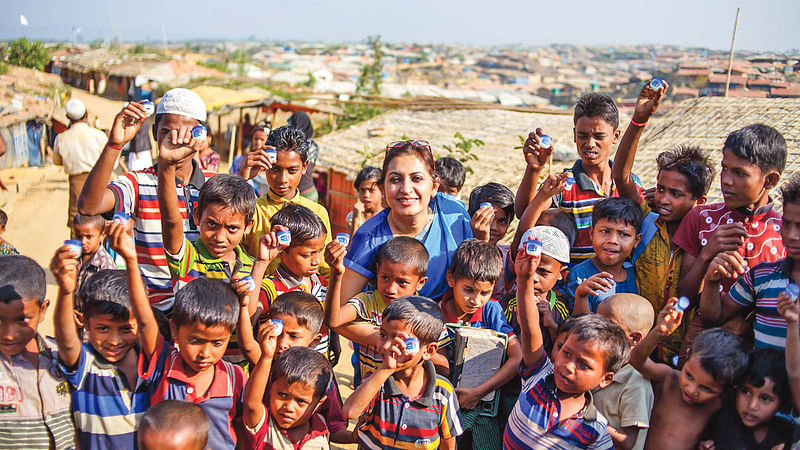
<point>579,202</point>
<point>35,402</point>
<point>369,308</point>
<point>135,193</point>
<point>396,421</point>
<point>106,409</point>
<point>535,421</point>
<point>759,289</point>
<point>193,260</point>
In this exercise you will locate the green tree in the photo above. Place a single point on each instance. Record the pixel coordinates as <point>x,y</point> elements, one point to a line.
<point>25,53</point>
<point>369,83</point>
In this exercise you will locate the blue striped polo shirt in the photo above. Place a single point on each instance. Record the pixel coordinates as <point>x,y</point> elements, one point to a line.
<point>536,422</point>
<point>396,421</point>
<point>758,289</point>
<point>106,409</point>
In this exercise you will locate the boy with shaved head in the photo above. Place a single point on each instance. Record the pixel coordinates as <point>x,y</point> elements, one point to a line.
<point>174,425</point>
<point>627,401</point>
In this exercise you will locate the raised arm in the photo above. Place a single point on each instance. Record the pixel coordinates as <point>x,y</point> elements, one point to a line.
<point>535,157</point>
<point>531,339</point>
<point>394,359</point>
<point>64,266</point>
<point>336,314</point>
<point>352,283</point>
<point>716,308</point>
<point>646,105</point>
<point>727,237</point>
<point>244,328</point>
<point>254,391</point>
<point>552,185</point>
<point>174,147</point>
<point>599,282</point>
<point>668,321</point>
<point>120,237</point>
<point>790,310</point>
<point>95,198</point>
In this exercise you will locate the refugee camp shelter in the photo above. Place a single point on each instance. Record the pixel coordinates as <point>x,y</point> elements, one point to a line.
<point>29,102</point>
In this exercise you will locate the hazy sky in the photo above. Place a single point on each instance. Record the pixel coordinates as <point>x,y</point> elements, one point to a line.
<point>764,25</point>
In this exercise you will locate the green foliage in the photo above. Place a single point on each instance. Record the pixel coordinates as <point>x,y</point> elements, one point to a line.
<point>216,65</point>
<point>462,150</point>
<point>3,69</point>
<point>25,53</point>
<point>369,83</point>
<point>311,81</point>
<point>368,156</point>
<point>137,49</point>
<point>522,140</point>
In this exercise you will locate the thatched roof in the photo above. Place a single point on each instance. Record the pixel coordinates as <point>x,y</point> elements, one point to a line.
<point>36,91</point>
<point>705,122</point>
<point>498,159</point>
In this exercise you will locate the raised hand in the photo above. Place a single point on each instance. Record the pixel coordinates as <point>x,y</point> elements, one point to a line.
<point>120,238</point>
<point>535,155</point>
<point>481,223</point>
<point>669,319</point>
<point>126,124</point>
<point>726,237</point>
<point>595,284</point>
<point>255,163</point>
<point>729,264</point>
<point>178,145</point>
<point>789,309</point>
<point>525,265</point>
<point>554,184</point>
<point>648,102</point>
<point>335,252</point>
<point>268,245</point>
<point>64,266</point>
<point>267,339</point>
<point>394,354</point>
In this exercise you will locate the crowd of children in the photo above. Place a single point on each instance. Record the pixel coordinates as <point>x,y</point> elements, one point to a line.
<point>197,310</point>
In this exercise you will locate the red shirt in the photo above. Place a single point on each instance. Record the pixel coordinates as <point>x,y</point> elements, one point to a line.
<point>762,244</point>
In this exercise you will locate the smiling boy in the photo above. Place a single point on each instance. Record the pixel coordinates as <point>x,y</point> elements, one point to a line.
<point>283,176</point>
<point>205,314</point>
<point>36,400</point>
<point>617,222</point>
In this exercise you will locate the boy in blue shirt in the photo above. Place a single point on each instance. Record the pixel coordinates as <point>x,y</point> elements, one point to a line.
<point>617,222</point>
<point>108,395</point>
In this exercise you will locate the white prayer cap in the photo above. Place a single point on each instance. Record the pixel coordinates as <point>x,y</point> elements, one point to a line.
<point>554,242</point>
<point>183,102</point>
<point>75,109</point>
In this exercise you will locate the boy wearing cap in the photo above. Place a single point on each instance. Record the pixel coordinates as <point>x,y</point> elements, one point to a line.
<point>552,267</point>
<point>135,193</point>
<point>77,149</point>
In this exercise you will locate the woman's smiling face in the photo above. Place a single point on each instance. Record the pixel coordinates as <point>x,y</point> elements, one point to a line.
<point>408,185</point>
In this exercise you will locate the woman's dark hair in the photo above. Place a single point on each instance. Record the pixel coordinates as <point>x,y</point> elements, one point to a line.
<point>423,154</point>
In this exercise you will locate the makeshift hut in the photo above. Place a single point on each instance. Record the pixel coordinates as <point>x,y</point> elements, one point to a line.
<point>29,101</point>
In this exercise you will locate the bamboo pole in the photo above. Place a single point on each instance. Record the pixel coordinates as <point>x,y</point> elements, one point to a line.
<point>730,57</point>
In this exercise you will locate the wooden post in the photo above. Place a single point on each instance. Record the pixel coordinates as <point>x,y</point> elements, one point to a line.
<point>239,133</point>
<point>730,57</point>
<point>232,146</point>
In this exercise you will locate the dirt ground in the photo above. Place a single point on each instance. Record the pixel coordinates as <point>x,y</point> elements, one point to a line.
<point>36,204</point>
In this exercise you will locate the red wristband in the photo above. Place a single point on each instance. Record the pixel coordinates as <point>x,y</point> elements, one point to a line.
<point>635,123</point>
<point>113,146</point>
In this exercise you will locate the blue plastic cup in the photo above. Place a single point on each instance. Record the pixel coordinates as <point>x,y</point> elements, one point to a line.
<point>793,290</point>
<point>272,155</point>
<point>412,345</point>
<point>199,133</point>
<point>682,304</point>
<point>251,283</point>
<point>485,205</point>
<point>75,246</point>
<point>284,237</point>
<point>278,324</point>
<point>545,141</point>
<point>343,238</point>
<point>656,83</point>
<point>148,106</point>
<point>121,216</point>
<point>533,247</point>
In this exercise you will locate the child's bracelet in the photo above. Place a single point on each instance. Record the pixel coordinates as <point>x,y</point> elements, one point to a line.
<point>114,147</point>
<point>635,123</point>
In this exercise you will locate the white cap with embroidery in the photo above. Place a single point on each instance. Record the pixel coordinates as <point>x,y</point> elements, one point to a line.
<point>183,102</point>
